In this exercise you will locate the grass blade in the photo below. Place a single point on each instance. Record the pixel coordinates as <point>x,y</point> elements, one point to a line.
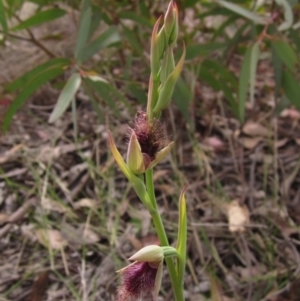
<point>66,96</point>
<point>40,18</point>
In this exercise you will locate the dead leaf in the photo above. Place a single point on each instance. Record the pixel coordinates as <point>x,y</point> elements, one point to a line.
<point>51,205</point>
<point>252,128</point>
<point>291,113</point>
<point>50,238</point>
<point>39,287</point>
<point>214,142</point>
<point>250,143</point>
<point>83,235</point>
<point>238,216</point>
<point>281,142</point>
<point>86,203</point>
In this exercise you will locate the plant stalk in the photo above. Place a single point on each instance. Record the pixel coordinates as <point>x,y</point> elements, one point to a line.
<point>177,287</point>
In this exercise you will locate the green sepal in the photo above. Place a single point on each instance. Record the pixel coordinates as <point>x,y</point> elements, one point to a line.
<point>167,88</point>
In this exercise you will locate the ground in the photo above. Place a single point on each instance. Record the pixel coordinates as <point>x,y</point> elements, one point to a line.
<point>69,219</point>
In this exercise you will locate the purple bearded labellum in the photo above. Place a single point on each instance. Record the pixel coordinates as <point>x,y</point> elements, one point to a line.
<point>147,144</point>
<point>140,281</point>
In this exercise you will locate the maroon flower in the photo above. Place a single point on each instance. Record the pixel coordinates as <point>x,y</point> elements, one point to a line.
<point>141,280</point>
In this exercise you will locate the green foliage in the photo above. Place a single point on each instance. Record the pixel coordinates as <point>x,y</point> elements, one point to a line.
<point>248,30</point>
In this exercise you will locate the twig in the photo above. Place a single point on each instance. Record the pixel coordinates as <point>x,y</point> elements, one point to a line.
<point>35,41</point>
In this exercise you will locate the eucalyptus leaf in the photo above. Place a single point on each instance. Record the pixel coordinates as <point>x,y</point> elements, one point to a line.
<point>36,72</point>
<point>243,12</point>
<point>40,18</point>
<point>84,28</point>
<point>66,96</point>
<point>106,39</point>
<point>288,15</point>
<point>286,53</point>
<point>28,90</point>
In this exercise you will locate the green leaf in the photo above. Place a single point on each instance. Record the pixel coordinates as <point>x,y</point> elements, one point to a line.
<point>294,35</point>
<point>29,89</point>
<point>182,97</point>
<point>198,50</point>
<point>40,18</point>
<point>84,28</point>
<point>291,88</point>
<point>138,93</point>
<point>107,38</point>
<point>3,17</point>
<point>253,64</point>
<point>209,77</point>
<point>133,41</point>
<point>36,72</point>
<point>66,96</point>
<point>243,83</point>
<point>103,91</point>
<point>167,88</point>
<point>278,67</point>
<point>182,237</point>
<point>136,18</point>
<point>286,53</point>
<point>288,15</point>
<point>243,12</point>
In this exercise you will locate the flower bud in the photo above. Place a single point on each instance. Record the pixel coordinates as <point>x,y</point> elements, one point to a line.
<point>135,158</point>
<point>151,253</point>
<point>171,23</point>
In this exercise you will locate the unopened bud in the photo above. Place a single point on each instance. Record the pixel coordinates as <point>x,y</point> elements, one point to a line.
<point>171,23</point>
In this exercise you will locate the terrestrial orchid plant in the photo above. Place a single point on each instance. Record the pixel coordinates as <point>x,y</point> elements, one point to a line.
<point>148,145</point>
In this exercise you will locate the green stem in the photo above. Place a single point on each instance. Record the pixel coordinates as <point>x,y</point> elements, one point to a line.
<point>177,288</point>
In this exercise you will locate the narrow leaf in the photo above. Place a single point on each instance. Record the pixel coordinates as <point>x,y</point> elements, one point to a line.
<point>286,53</point>
<point>278,67</point>
<point>182,237</point>
<point>36,72</point>
<point>288,15</point>
<point>196,50</point>
<point>40,18</point>
<point>253,65</point>
<point>291,88</point>
<point>243,12</point>
<point>136,18</point>
<point>66,96</point>
<point>3,21</point>
<point>243,83</point>
<point>107,38</point>
<point>84,28</point>
<point>27,91</point>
